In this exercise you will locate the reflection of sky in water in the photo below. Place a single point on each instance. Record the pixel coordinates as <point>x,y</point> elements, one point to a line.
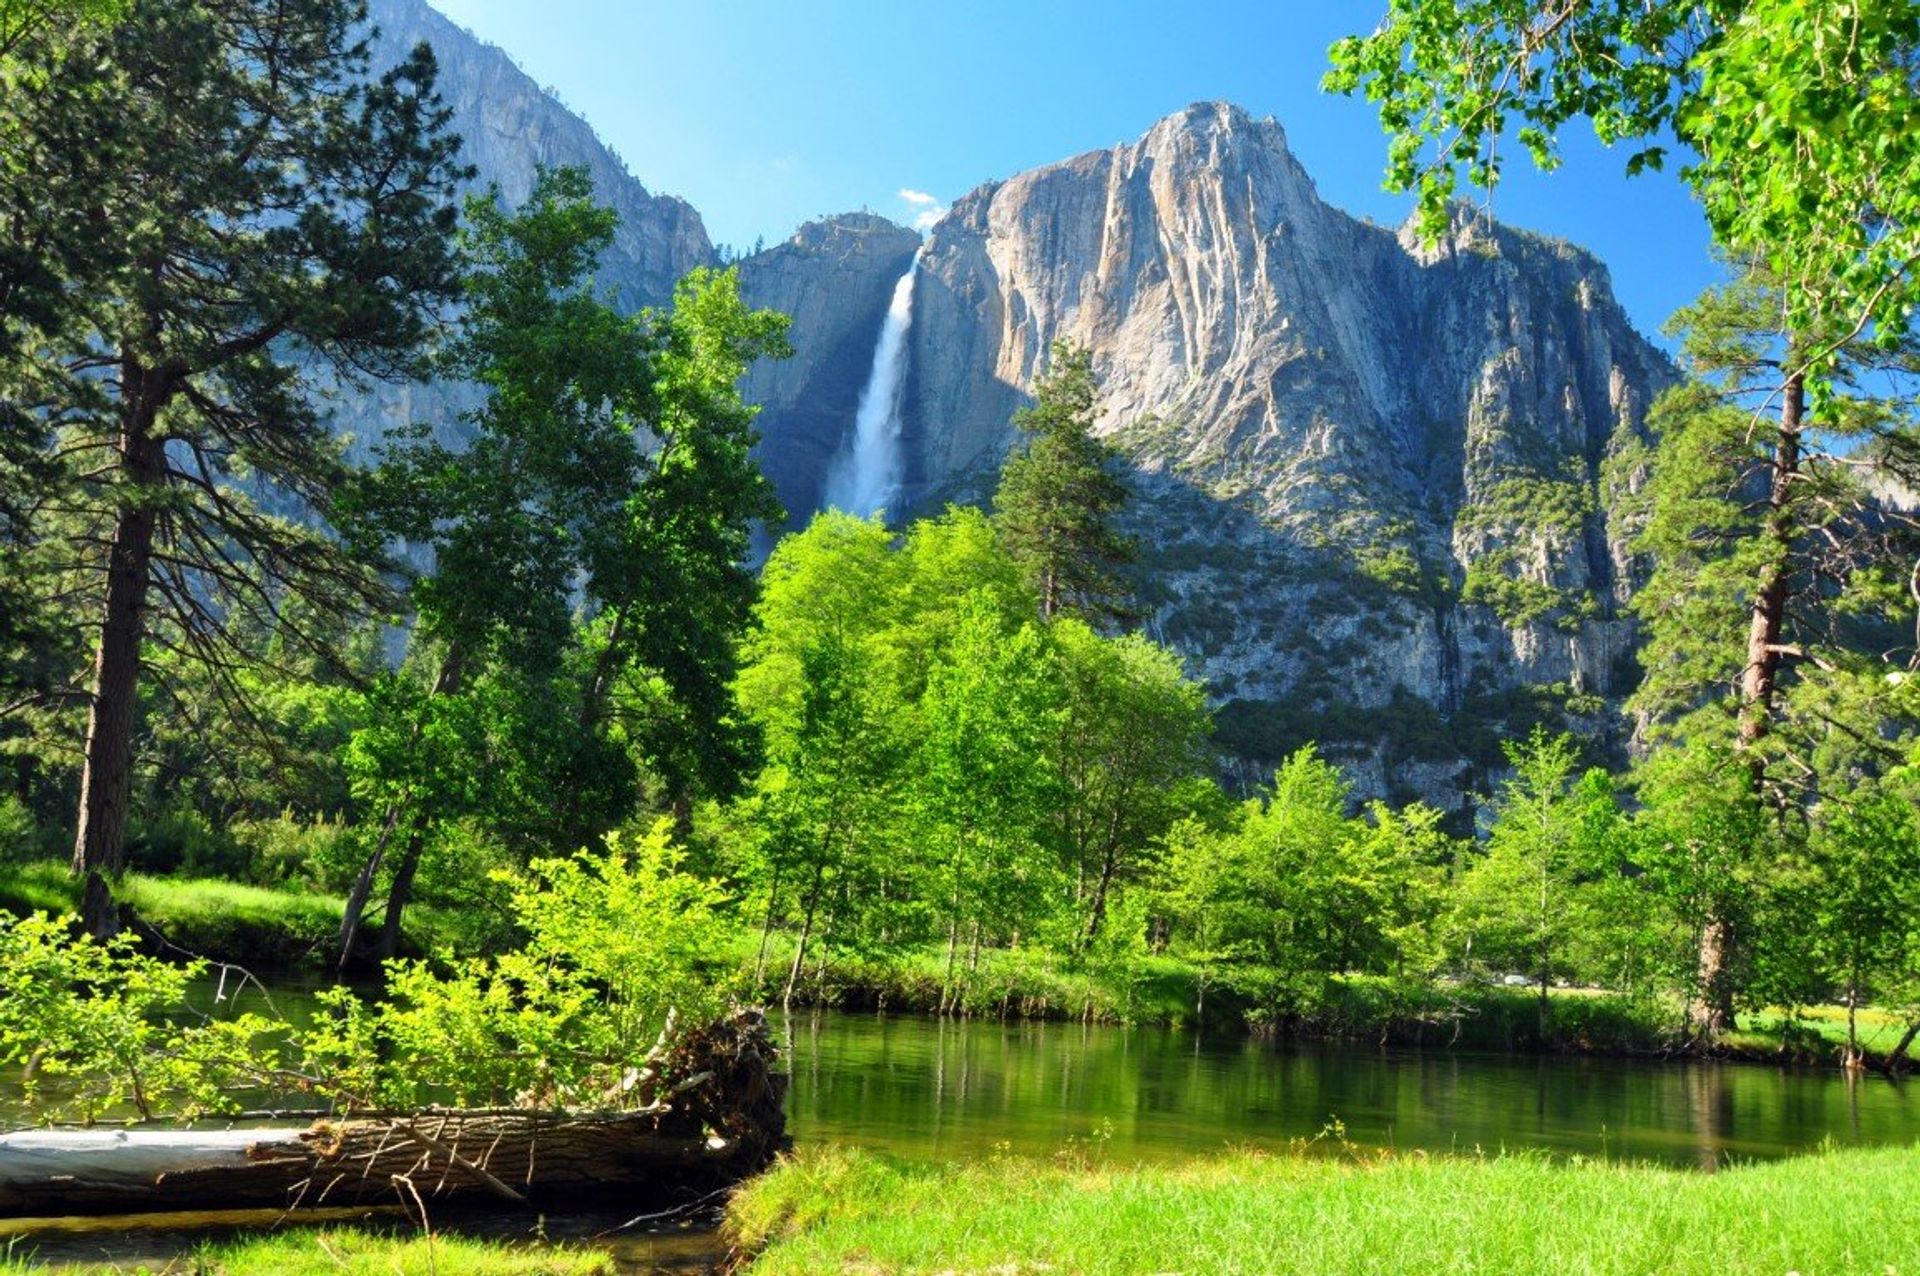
<point>956,1090</point>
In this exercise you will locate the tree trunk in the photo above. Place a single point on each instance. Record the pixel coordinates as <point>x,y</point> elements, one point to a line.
<point>1767,615</point>
<point>362,891</point>
<point>1897,1056</point>
<point>398,894</point>
<point>354,916</point>
<point>953,946</point>
<point>722,1121</point>
<point>1098,915</point>
<point>806,930</point>
<point>766,932</point>
<point>1854,1061</point>
<point>1711,1010</point>
<point>106,777</point>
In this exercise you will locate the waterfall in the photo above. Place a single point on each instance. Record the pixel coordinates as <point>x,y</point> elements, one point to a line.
<point>866,470</point>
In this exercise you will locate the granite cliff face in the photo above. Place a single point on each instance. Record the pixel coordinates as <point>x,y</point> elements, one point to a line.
<point>1373,478</point>
<point>510,128</point>
<point>1377,482</point>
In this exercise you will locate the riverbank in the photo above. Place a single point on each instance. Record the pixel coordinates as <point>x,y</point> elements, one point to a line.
<point>288,930</point>
<point>836,1210</point>
<point>263,928</point>
<point>1165,991</point>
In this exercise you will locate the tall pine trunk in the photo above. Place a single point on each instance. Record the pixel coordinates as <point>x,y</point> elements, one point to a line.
<point>1711,1011</point>
<point>106,777</point>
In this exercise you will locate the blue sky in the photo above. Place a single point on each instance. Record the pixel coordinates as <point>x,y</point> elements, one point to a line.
<point>765,114</point>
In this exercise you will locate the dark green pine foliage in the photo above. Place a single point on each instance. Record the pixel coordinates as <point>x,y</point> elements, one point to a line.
<point>256,208</point>
<point>1779,614</point>
<point>1057,498</point>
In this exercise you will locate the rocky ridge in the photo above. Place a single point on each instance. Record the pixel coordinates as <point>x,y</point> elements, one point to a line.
<point>1379,482</point>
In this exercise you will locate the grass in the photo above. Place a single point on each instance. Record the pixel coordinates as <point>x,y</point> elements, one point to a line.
<point>357,1253</point>
<point>834,1210</point>
<point>351,1252</point>
<point>273,927</point>
<point>43,886</point>
<point>1818,1027</point>
<point>231,920</point>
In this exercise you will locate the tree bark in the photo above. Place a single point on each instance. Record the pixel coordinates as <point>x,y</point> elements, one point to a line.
<point>806,930</point>
<point>397,896</point>
<point>353,917</point>
<point>106,777</point>
<point>1098,915</point>
<point>356,908</point>
<point>1896,1058</point>
<point>1712,1010</point>
<point>766,930</point>
<point>722,1122</point>
<point>1767,615</point>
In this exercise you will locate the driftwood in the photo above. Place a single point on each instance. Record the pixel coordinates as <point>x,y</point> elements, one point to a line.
<point>722,1121</point>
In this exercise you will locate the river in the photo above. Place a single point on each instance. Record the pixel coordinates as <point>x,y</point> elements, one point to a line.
<point>953,1090</point>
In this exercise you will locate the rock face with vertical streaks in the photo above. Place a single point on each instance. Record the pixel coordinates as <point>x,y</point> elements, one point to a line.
<point>834,277</point>
<point>1376,480</point>
<point>1379,483</point>
<point>509,129</point>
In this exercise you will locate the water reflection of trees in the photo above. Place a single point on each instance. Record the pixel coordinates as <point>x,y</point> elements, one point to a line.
<point>959,1089</point>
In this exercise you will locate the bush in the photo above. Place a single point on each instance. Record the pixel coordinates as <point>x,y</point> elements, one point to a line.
<point>19,834</point>
<point>182,842</point>
<point>283,851</point>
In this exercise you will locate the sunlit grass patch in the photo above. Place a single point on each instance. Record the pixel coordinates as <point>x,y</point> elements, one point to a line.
<point>834,1210</point>
<point>347,1252</point>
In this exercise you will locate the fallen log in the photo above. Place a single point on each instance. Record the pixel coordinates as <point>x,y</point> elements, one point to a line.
<point>721,1122</point>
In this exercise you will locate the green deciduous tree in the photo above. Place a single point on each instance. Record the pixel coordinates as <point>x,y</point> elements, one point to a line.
<point>1131,759</point>
<point>980,783</point>
<point>1555,851</point>
<point>1800,123</point>
<point>608,472</point>
<point>1297,890</point>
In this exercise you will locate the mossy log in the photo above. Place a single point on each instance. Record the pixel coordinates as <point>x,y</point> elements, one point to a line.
<point>720,1120</point>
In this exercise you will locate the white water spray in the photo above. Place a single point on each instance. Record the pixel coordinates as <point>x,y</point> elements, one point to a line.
<point>866,470</point>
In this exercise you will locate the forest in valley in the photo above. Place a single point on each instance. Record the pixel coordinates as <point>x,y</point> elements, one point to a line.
<point>428,707</point>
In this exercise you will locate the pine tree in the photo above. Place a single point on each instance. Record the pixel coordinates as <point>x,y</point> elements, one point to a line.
<point>1056,500</point>
<point>257,197</point>
<point>1781,598</point>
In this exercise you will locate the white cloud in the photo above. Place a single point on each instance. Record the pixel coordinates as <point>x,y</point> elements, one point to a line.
<point>927,208</point>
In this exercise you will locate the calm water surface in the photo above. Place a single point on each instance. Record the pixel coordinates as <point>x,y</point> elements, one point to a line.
<point>936,1090</point>
<point>952,1091</point>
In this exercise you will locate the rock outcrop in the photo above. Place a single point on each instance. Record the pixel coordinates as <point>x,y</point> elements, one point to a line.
<point>834,278</point>
<point>1377,480</point>
<point>1373,476</point>
<point>510,128</point>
